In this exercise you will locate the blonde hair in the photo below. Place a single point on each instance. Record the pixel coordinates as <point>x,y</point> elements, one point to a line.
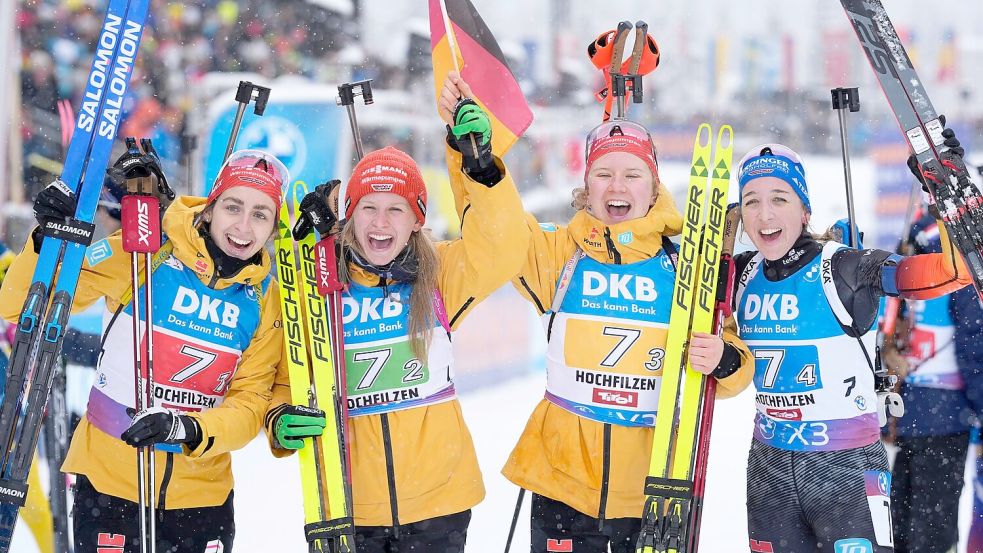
<point>422,318</point>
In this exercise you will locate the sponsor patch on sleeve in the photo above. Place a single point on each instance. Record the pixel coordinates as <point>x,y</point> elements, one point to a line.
<point>98,252</point>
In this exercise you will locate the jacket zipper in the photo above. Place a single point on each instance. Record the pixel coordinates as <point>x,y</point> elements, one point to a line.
<point>390,473</point>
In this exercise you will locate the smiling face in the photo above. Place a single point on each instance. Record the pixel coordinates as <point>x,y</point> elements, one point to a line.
<point>773,216</point>
<point>619,188</point>
<point>383,225</point>
<point>241,220</point>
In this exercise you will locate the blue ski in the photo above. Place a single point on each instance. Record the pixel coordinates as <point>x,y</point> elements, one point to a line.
<point>36,346</point>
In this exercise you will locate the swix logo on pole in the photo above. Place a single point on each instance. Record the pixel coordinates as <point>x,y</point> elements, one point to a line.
<point>141,224</point>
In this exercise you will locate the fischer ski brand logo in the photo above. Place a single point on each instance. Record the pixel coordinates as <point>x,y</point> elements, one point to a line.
<point>629,287</point>
<point>775,307</point>
<point>614,397</point>
<point>293,332</point>
<point>690,247</point>
<point>714,230</point>
<point>785,414</point>
<point>100,78</point>
<point>188,302</point>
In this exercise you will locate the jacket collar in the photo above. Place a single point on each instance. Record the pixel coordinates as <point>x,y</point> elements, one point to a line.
<point>629,241</point>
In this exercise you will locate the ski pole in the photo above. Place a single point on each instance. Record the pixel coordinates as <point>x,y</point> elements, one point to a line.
<point>346,97</point>
<point>140,209</point>
<point>515,519</point>
<point>246,93</point>
<point>843,99</point>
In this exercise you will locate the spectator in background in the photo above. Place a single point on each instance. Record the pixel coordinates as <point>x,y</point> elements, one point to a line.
<point>937,349</point>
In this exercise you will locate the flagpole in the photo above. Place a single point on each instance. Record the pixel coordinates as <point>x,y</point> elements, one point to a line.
<point>453,48</point>
<point>450,35</point>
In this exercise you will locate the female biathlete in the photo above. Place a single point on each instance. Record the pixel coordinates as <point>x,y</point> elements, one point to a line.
<point>212,302</point>
<point>602,285</point>
<point>415,474</point>
<point>818,475</point>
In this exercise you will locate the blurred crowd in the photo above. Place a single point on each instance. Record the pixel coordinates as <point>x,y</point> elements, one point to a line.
<point>182,42</point>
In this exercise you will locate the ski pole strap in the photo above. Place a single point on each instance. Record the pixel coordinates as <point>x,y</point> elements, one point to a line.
<point>70,230</point>
<point>14,493</point>
<point>324,529</point>
<point>668,487</point>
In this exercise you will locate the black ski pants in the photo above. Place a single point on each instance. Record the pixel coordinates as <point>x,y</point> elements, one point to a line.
<point>108,524</point>
<point>445,534</point>
<point>818,501</point>
<point>926,483</point>
<point>559,528</point>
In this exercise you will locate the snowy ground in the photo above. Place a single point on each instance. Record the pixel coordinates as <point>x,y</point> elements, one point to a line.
<point>269,516</point>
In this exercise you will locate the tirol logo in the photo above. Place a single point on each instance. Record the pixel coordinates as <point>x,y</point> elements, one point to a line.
<point>615,397</point>
<point>785,414</point>
<point>776,307</point>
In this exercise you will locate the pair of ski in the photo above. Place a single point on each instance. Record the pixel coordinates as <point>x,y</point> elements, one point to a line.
<point>43,321</point>
<point>310,303</point>
<point>700,302</point>
<point>959,200</point>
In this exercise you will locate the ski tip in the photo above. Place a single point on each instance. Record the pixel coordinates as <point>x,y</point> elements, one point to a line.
<point>725,138</point>
<point>704,134</point>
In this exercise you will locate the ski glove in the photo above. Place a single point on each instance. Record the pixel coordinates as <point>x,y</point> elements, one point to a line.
<point>318,210</point>
<point>471,135</point>
<point>139,172</point>
<point>158,425</point>
<point>950,141</point>
<point>292,423</point>
<point>54,203</point>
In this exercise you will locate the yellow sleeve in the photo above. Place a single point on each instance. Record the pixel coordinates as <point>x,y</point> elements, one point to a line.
<point>741,379</point>
<point>235,422</point>
<point>548,250</point>
<point>492,246</point>
<point>281,395</point>
<point>108,277</point>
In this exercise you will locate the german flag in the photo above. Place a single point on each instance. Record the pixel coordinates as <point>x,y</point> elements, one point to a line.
<point>482,65</point>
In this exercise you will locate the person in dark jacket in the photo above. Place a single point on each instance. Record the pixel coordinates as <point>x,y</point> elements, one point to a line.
<point>937,350</point>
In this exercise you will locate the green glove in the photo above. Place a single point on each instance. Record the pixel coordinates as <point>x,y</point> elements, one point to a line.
<point>292,423</point>
<point>472,136</point>
<point>470,118</point>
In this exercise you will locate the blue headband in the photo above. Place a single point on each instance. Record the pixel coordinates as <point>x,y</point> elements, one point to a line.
<point>781,167</point>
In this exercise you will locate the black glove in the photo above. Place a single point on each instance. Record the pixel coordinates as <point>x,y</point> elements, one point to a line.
<point>139,172</point>
<point>318,210</point>
<point>54,203</point>
<point>949,141</point>
<point>158,425</point>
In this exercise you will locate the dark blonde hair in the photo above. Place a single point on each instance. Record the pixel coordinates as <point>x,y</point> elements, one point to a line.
<point>422,318</point>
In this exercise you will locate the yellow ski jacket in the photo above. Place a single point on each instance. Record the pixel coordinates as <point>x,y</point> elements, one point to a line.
<point>561,455</point>
<point>433,459</point>
<point>196,478</point>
